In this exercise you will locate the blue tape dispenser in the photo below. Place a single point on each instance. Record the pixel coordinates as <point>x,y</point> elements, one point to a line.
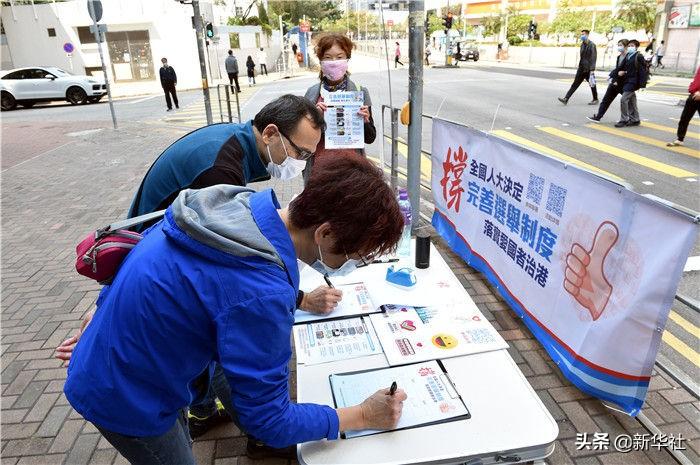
<point>403,277</point>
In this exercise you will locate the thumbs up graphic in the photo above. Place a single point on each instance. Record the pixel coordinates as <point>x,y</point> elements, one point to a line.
<point>585,278</point>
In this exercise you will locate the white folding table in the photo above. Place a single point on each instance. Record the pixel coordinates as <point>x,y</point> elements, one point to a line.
<point>508,424</point>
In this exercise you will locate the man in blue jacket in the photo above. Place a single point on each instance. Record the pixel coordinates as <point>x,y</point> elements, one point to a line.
<point>233,154</point>
<point>217,279</point>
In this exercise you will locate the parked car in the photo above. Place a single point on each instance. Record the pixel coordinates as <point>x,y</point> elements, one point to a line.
<point>469,52</point>
<point>27,86</point>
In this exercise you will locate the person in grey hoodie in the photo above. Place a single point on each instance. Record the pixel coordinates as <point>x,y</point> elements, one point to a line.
<point>217,279</point>
<point>232,70</point>
<point>586,68</point>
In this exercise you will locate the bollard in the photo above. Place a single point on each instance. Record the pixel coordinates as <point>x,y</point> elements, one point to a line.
<point>228,105</point>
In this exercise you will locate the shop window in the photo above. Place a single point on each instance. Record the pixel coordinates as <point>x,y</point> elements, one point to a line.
<point>130,55</point>
<point>85,36</point>
<point>234,40</point>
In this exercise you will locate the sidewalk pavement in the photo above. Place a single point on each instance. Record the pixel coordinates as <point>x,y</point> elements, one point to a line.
<point>50,202</point>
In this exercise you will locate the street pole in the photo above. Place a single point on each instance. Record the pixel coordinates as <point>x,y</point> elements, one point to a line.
<point>447,37</point>
<point>282,48</point>
<point>202,64</point>
<point>98,37</point>
<point>211,73</point>
<point>416,36</point>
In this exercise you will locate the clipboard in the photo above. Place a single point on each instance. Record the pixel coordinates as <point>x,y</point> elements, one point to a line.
<point>363,307</point>
<point>434,370</point>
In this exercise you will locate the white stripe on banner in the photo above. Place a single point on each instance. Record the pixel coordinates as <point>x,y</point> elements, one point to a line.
<point>591,266</point>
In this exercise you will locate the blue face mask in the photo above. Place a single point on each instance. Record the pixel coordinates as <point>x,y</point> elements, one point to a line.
<point>620,48</point>
<point>584,37</point>
<point>345,269</point>
<point>631,49</point>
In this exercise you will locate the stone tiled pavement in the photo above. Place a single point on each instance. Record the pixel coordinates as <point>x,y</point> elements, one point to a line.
<point>50,202</point>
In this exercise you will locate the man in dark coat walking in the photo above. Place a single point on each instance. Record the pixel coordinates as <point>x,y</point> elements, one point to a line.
<point>586,68</point>
<point>168,79</point>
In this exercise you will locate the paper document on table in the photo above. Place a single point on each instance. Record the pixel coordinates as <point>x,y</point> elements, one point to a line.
<point>431,288</point>
<point>413,334</point>
<point>356,301</point>
<point>327,341</point>
<point>431,396</point>
<point>344,126</point>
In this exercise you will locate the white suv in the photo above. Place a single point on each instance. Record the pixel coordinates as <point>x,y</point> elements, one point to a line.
<point>28,86</point>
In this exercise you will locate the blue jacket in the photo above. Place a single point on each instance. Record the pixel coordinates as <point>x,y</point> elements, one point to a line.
<point>190,156</point>
<point>217,279</point>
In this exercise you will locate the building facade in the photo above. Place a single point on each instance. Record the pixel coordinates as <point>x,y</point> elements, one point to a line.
<point>139,33</point>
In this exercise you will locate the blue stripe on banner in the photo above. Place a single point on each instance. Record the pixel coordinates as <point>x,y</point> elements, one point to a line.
<point>628,394</point>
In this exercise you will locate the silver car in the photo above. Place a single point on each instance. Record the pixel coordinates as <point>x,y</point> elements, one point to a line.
<point>27,86</point>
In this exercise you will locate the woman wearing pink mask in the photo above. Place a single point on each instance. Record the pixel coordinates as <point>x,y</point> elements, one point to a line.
<point>333,51</point>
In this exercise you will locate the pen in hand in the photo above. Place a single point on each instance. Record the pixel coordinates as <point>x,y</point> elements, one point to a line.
<point>393,388</point>
<point>328,281</point>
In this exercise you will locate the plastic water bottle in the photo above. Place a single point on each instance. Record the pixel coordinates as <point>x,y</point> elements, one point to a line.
<point>404,249</point>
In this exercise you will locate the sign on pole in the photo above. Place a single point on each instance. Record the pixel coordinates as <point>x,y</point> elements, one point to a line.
<point>68,47</point>
<point>95,10</point>
<point>390,22</point>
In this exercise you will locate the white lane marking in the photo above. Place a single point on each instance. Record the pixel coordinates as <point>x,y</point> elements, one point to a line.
<point>693,264</point>
<point>144,99</point>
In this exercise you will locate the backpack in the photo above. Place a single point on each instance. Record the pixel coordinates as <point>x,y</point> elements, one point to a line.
<point>643,68</point>
<point>100,254</point>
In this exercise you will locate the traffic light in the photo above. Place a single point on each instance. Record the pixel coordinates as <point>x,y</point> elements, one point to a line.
<point>532,30</point>
<point>447,21</point>
<point>210,30</point>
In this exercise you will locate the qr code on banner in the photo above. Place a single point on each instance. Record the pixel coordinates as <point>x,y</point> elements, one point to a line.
<point>535,186</point>
<point>478,336</point>
<point>556,198</point>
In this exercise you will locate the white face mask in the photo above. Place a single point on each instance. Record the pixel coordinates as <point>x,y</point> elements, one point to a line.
<point>345,269</point>
<point>290,167</point>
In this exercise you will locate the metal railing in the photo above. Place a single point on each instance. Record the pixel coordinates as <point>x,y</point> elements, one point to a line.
<point>228,90</point>
<point>661,361</point>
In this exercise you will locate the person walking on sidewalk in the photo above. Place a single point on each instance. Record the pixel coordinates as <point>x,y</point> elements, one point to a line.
<point>615,82</point>
<point>262,60</point>
<point>250,64</point>
<point>231,64</point>
<point>586,69</point>
<point>427,55</point>
<point>333,52</point>
<point>216,280</point>
<point>232,154</point>
<point>692,106</point>
<point>168,80</point>
<point>660,52</point>
<point>397,56</point>
<point>635,75</point>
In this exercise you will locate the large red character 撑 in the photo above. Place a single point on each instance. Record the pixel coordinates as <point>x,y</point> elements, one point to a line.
<point>451,183</point>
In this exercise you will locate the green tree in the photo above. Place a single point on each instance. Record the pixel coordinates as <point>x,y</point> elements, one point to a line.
<point>569,22</point>
<point>492,25</point>
<point>605,21</point>
<point>518,24</point>
<point>293,12</point>
<point>435,24</point>
<point>262,14</point>
<point>639,14</point>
